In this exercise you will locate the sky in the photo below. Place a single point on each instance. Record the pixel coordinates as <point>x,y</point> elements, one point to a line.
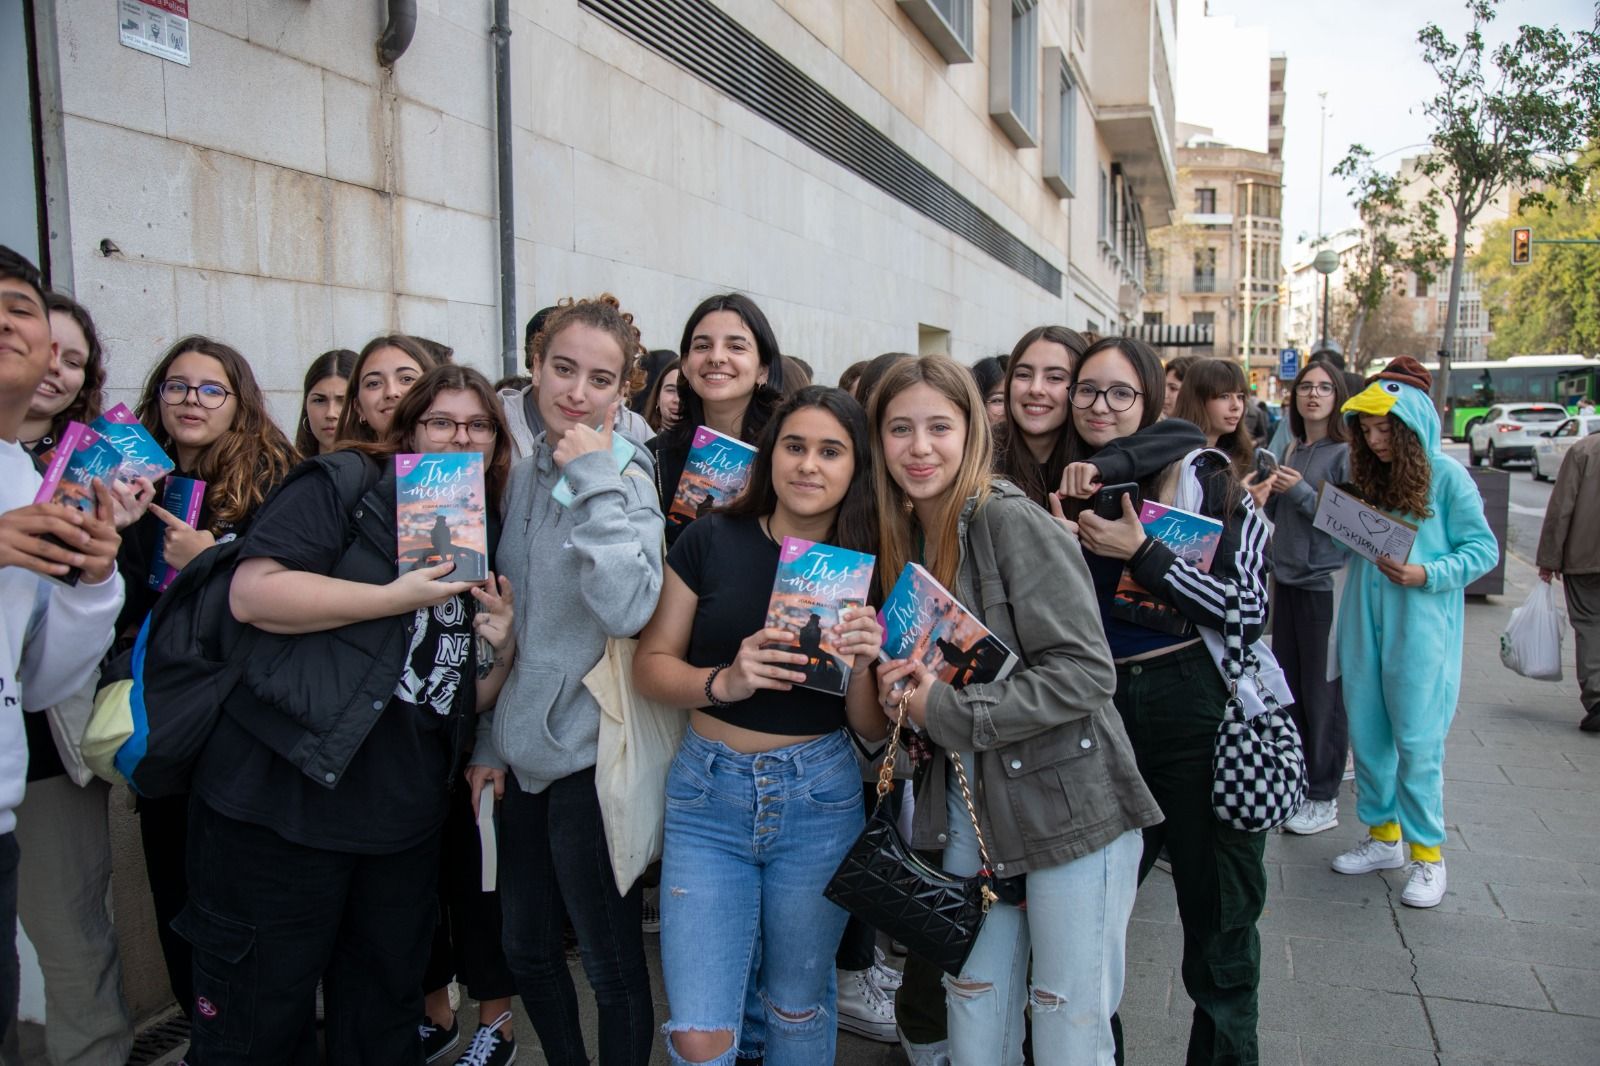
<point>1365,54</point>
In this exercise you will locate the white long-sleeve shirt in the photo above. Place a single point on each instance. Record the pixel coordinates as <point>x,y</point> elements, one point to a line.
<point>51,636</point>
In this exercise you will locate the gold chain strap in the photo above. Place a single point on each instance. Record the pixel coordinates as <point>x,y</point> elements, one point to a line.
<point>886,785</point>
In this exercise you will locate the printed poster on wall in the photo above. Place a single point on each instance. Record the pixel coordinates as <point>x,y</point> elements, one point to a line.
<point>159,27</point>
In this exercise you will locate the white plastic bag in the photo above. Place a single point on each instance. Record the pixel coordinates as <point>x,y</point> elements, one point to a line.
<point>1531,644</point>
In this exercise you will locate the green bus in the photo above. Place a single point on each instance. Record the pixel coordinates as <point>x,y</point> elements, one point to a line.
<point>1477,386</point>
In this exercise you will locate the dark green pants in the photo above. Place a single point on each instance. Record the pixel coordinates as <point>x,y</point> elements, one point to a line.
<point>1170,706</point>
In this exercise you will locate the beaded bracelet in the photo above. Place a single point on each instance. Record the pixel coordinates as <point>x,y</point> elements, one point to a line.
<point>712,676</point>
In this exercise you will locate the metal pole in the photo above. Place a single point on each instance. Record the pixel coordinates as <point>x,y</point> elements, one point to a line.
<point>509,362</point>
<point>1324,343</point>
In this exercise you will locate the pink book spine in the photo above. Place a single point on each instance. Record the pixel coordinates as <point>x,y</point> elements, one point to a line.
<point>71,438</point>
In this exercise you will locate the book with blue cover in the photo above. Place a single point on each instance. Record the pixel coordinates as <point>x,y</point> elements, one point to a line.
<point>1192,537</point>
<point>814,585</point>
<point>141,455</point>
<point>713,474</point>
<point>924,622</point>
<point>79,457</point>
<point>440,513</point>
<point>181,497</point>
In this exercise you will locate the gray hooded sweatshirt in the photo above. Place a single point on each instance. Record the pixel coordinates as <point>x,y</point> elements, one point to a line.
<point>1301,556</point>
<point>579,575</point>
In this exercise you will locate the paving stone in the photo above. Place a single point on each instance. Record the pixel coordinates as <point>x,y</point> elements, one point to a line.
<point>1333,1011</point>
<point>1519,870</point>
<point>1495,841</point>
<point>1315,1051</point>
<point>1147,989</point>
<point>1556,906</point>
<point>1329,920</point>
<point>1351,965</point>
<point>1498,938</point>
<point>1451,976</point>
<point>1572,991</point>
<point>1510,1035</point>
<point>1553,779</point>
<point>1320,882</point>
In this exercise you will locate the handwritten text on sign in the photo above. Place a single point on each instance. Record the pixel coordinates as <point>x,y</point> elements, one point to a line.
<point>1361,527</point>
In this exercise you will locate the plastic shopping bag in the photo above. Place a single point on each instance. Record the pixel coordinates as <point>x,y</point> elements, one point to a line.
<point>1531,644</point>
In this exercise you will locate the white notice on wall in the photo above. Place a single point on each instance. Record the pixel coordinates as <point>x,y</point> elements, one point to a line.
<point>160,27</point>
<point>1361,527</point>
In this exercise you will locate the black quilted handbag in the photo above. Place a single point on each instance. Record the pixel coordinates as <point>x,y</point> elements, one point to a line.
<point>886,884</point>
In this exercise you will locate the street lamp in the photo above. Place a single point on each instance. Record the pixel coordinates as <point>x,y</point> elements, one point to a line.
<point>1326,262</point>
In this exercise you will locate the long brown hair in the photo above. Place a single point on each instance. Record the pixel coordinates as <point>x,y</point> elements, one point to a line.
<point>897,524</point>
<point>1016,461</point>
<point>652,401</point>
<point>334,363</point>
<point>1205,380</point>
<point>1401,485</point>
<point>452,377</point>
<point>351,429</point>
<point>87,405</point>
<point>251,456</point>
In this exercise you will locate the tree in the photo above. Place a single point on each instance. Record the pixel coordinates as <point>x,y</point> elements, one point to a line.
<point>1398,237</point>
<point>1553,303</point>
<point>1517,126</point>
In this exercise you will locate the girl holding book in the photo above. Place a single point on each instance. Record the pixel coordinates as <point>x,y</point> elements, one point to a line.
<point>588,569</point>
<point>1400,627</point>
<point>1059,800</point>
<point>384,371</point>
<point>1169,690</point>
<point>322,401</point>
<point>320,795</point>
<point>731,381</point>
<point>1304,563</point>
<point>764,798</point>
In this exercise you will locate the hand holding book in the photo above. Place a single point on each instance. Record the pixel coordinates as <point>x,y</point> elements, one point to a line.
<point>54,540</point>
<point>762,663</point>
<point>180,543</point>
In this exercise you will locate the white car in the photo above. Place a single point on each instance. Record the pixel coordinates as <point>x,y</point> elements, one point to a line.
<point>1551,446</point>
<point>1508,431</point>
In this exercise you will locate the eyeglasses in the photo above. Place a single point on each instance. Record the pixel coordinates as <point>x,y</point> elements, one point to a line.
<point>442,430</point>
<point>1118,397</point>
<point>1314,388</point>
<point>175,393</point>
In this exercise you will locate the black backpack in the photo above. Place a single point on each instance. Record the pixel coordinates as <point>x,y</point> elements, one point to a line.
<point>190,654</point>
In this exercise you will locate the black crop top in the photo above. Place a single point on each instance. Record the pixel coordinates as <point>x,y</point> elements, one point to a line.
<point>729,563</point>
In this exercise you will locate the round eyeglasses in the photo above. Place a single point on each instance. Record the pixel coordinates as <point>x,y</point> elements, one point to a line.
<point>1314,388</point>
<point>442,430</point>
<point>175,393</point>
<point>1118,397</point>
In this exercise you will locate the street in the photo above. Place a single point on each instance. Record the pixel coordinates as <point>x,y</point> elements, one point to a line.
<point>1528,501</point>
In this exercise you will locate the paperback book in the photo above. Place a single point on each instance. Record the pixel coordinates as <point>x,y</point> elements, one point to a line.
<point>714,473</point>
<point>181,497</point>
<point>922,621</point>
<point>815,584</point>
<point>1192,537</point>
<point>440,515</point>
<point>81,456</point>
<point>141,455</point>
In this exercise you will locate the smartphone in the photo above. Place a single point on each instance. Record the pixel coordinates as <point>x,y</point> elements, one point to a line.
<point>1107,502</point>
<point>1266,463</point>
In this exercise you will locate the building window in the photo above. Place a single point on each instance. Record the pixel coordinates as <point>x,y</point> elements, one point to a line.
<point>1422,288</point>
<point>947,24</point>
<point>1205,270</point>
<point>1014,69</point>
<point>1205,201</point>
<point>1104,216</point>
<point>1061,127</point>
<point>1152,318</point>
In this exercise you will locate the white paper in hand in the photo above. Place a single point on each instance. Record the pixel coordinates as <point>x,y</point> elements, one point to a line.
<point>1361,527</point>
<point>486,838</point>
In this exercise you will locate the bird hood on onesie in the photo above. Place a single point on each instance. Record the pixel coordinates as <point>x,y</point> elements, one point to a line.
<point>1401,389</point>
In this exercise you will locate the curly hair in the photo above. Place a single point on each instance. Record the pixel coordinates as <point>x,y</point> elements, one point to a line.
<point>1400,485</point>
<point>604,313</point>
<point>87,405</point>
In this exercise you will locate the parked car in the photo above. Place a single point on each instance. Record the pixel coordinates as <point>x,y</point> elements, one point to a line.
<point>1550,447</point>
<point>1508,431</point>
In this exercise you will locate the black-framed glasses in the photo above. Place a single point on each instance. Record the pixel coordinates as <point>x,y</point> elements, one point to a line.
<point>442,430</point>
<point>175,393</point>
<point>1118,397</point>
<point>1314,388</point>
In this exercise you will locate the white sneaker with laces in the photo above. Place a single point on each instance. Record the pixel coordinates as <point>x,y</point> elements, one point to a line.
<point>1424,884</point>
<point>886,977</point>
<point>1369,856</point>
<point>935,1054</point>
<point>1313,817</point>
<point>864,1009</point>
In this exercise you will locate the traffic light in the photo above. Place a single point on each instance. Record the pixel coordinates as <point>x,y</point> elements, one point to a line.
<point>1522,246</point>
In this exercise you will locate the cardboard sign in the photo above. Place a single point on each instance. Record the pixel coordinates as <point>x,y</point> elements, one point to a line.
<point>1361,527</point>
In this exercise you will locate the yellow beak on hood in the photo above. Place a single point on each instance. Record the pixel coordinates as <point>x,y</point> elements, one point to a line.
<point>1372,400</point>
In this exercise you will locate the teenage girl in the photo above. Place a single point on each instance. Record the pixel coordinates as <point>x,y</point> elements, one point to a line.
<point>764,798</point>
<point>1037,380</point>
<point>1400,627</point>
<point>384,371</point>
<point>1170,691</point>
<point>203,406</point>
<point>322,401</point>
<point>1304,562</point>
<point>1052,773</point>
<point>319,798</point>
<point>989,374</point>
<point>1213,397</point>
<point>662,405</point>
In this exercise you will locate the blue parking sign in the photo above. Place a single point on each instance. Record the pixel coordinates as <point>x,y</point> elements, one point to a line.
<point>1288,364</point>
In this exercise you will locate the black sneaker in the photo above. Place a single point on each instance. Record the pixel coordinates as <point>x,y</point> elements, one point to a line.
<point>490,1047</point>
<point>438,1041</point>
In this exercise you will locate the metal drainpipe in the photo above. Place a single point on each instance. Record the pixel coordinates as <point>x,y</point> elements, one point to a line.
<point>398,31</point>
<point>510,362</point>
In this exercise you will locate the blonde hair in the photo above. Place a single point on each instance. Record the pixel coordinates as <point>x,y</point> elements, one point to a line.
<point>897,524</point>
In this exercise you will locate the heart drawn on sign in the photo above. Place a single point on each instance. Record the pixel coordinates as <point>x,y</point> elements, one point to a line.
<point>1373,524</point>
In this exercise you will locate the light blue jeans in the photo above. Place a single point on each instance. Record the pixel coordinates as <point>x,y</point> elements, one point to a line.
<point>1074,927</point>
<point>751,841</point>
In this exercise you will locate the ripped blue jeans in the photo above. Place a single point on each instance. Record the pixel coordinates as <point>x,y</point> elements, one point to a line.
<point>751,840</point>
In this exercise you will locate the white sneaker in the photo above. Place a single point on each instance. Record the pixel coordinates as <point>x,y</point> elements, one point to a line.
<point>1424,884</point>
<point>1313,817</point>
<point>863,1007</point>
<point>886,977</point>
<point>1370,855</point>
<point>935,1054</point>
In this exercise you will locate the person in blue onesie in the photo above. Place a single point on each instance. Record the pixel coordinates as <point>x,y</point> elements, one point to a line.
<point>1400,627</point>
